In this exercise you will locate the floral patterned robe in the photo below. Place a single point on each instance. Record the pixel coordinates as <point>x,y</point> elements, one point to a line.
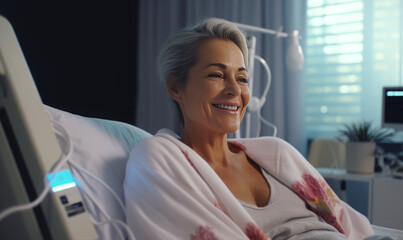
<point>172,193</point>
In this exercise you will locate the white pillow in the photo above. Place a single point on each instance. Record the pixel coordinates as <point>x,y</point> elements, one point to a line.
<point>101,147</point>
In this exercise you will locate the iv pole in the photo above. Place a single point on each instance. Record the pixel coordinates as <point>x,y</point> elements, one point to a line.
<point>294,60</point>
<point>278,33</point>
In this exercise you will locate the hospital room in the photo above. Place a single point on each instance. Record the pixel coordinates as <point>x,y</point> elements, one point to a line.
<point>201,119</point>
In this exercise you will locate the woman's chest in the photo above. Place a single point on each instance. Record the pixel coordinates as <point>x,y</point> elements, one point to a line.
<point>247,184</point>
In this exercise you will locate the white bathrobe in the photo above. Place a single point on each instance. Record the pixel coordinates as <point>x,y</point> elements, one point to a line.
<point>172,193</point>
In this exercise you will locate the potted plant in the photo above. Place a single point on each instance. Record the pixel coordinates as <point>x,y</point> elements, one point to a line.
<point>361,139</point>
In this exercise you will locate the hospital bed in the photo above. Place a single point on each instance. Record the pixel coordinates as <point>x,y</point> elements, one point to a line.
<point>39,136</point>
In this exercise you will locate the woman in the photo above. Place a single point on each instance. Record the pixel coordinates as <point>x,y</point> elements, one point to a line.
<point>202,186</point>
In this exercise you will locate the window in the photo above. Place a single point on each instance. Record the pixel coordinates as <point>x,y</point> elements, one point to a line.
<point>353,49</point>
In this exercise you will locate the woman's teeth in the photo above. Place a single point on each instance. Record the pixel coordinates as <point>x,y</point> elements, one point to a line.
<point>226,107</point>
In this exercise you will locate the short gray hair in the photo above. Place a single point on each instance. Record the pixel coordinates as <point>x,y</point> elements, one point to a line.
<point>179,53</point>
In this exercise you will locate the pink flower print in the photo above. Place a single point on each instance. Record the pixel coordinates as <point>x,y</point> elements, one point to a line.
<point>217,205</point>
<point>332,196</point>
<point>300,189</point>
<point>323,206</point>
<point>312,191</point>
<point>254,233</point>
<point>314,186</point>
<point>203,233</point>
<point>330,219</point>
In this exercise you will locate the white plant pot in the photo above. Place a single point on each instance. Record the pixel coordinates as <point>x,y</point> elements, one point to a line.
<point>360,157</point>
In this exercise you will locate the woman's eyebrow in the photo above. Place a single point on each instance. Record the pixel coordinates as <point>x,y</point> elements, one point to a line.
<point>220,65</point>
<point>242,69</point>
<point>223,66</point>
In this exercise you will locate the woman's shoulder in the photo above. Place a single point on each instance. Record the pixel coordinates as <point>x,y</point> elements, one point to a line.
<point>268,148</point>
<point>281,146</point>
<point>159,156</point>
<point>155,150</point>
<point>154,145</point>
<point>275,140</point>
<point>261,142</point>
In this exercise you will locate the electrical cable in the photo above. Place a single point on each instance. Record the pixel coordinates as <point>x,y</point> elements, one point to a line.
<point>56,167</point>
<point>269,124</point>
<point>61,131</point>
<point>262,99</point>
<point>66,158</point>
<point>106,215</point>
<point>116,221</point>
<point>268,71</point>
<point>78,168</point>
<point>63,134</point>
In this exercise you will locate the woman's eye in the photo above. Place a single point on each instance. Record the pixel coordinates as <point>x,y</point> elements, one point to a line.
<point>244,80</point>
<point>216,75</point>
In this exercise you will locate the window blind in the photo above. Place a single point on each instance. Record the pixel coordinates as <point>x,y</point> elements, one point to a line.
<point>353,48</point>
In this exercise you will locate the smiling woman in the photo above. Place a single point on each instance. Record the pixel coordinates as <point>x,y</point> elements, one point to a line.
<point>202,185</point>
<point>216,93</point>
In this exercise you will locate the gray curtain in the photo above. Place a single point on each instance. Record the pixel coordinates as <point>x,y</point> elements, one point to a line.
<point>160,18</point>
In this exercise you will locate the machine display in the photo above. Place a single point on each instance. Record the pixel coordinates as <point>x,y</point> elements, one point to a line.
<point>29,152</point>
<point>392,107</point>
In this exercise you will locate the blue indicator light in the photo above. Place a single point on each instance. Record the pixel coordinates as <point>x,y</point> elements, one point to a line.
<point>394,93</point>
<point>63,180</point>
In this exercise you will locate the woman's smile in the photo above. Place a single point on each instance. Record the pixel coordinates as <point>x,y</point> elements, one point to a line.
<point>232,109</point>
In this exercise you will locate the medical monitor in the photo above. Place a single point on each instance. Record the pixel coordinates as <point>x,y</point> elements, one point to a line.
<point>28,151</point>
<point>392,107</point>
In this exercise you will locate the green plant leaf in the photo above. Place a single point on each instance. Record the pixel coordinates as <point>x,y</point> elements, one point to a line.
<point>363,132</point>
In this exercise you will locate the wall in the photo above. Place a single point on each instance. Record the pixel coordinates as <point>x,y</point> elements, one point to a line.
<point>82,54</point>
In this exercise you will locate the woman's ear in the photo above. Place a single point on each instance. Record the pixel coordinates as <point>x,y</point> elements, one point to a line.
<point>173,88</point>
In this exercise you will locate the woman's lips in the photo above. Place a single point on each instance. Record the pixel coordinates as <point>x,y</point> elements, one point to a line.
<point>226,107</point>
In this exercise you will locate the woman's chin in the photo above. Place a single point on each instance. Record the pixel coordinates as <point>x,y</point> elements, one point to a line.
<point>232,128</point>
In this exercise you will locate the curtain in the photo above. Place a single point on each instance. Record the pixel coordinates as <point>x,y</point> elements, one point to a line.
<point>158,19</point>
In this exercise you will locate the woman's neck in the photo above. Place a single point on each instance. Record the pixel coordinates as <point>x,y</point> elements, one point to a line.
<point>212,147</point>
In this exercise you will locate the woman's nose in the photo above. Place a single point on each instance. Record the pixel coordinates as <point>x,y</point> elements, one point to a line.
<point>232,87</point>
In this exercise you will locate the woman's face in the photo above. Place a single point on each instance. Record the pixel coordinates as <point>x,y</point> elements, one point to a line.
<point>216,92</point>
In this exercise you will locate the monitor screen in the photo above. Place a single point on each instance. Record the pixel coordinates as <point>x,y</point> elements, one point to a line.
<point>392,107</point>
